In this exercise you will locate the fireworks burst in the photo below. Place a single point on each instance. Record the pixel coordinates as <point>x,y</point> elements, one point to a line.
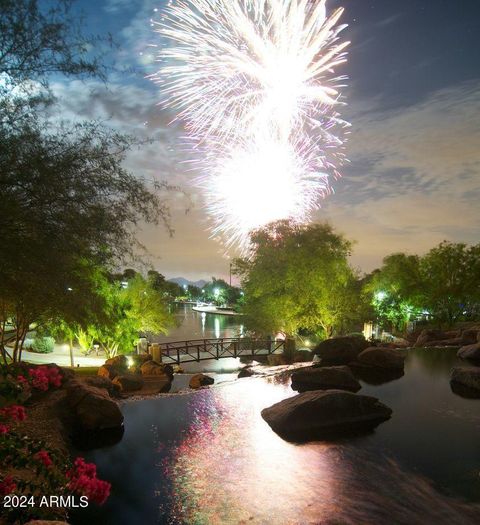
<point>254,83</point>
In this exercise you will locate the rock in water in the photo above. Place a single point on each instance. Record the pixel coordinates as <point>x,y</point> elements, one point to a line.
<point>129,382</point>
<point>92,407</point>
<point>245,372</point>
<point>199,380</point>
<point>152,368</point>
<point>428,335</point>
<point>103,382</point>
<point>471,352</point>
<point>325,378</point>
<point>325,414</point>
<point>340,350</point>
<point>110,371</point>
<point>466,376</point>
<point>382,357</point>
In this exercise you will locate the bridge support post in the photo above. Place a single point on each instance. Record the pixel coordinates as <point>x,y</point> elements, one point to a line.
<point>156,352</point>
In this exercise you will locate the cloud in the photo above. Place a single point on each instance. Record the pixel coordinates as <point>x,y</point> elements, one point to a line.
<point>414,178</point>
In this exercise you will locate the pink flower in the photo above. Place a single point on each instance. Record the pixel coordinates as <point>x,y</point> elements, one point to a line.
<point>83,480</point>
<point>15,412</point>
<point>3,430</point>
<point>44,458</point>
<point>45,376</point>
<point>22,379</point>
<point>7,486</point>
<point>39,378</point>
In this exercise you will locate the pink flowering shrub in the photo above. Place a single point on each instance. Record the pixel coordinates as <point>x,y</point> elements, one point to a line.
<point>49,472</point>
<point>44,457</point>
<point>7,486</point>
<point>15,412</point>
<point>43,377</point>
<point>84,481</point>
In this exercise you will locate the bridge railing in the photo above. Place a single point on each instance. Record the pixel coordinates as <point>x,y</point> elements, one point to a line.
<point>203,349</point>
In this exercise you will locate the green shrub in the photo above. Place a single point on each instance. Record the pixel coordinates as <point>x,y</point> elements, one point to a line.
<point>43,345</point>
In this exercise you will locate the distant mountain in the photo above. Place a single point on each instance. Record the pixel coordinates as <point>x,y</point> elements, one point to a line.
<point>182,282</point>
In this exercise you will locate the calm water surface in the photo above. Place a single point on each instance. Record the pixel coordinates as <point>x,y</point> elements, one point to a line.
<point>198,325</point>
<point>209,458</point>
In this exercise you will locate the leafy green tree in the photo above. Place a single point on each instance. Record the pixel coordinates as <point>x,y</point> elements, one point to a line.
<point>218,291</point>
<point>137,309</point>
<point>67,203</point>
<point>444,284</point>
<point>450,275</point>
<point>169,290</point>
<point>298,277</point>
<point>194,293</point>
<point>66,199</point>
<point>395,290</point>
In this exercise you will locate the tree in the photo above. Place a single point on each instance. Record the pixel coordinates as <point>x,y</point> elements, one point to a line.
<point>220,292</point>
<point>129,312</point>
<point>194,293</point>
<point>298,277</point>
<point>35,42</point>
<point>395,290</point>
<point>67,203</point>
<point>443,284</point>
<point>450,275</point>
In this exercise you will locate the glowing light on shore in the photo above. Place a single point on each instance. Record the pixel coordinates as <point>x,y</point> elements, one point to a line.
<point>254,83</point>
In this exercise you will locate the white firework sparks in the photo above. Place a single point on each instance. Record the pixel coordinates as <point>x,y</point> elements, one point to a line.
<point>254,82</point>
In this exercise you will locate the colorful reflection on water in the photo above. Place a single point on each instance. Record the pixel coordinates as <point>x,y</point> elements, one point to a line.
<point>209,458</point>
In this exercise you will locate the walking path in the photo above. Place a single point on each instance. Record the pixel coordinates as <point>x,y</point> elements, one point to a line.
<point>61,356</point>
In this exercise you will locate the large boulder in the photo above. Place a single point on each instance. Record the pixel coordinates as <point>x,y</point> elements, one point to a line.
<point>382,357</point>
<point>340,350</point>
<point>245,372</point>
<point>303,356</point>
<point>152,368</point>
<point>103,382</point>
<point>458,341</point>
<point>110,371</point>
<point>46,522</point>
<point>119,361</point>
<point>469,337</point>
<point>325,414</point>
<point>428,335</point>
<point>277,360</point>
<point>471,352</point>
<point>468,377</point>
<point>199,380</point>
<point>92,408</point>
<point>325,378</point>
<point>129,382</point>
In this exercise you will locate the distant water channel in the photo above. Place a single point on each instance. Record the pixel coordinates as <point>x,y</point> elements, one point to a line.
<point>208,458</point>
<point>200,325</point>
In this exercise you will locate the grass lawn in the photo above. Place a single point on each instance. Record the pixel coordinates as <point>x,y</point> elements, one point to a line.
<point>83,371</point>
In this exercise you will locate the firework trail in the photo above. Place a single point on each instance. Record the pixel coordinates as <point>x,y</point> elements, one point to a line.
<point>254,83</point>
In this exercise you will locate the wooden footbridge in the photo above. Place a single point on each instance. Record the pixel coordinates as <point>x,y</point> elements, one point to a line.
<point>204,349</point>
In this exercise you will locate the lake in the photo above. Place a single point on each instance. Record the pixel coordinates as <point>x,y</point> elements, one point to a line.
<point>208,457</point>
<point>199,325</point>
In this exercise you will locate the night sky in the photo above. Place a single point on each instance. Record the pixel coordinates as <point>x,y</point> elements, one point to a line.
<point>414,102</point>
